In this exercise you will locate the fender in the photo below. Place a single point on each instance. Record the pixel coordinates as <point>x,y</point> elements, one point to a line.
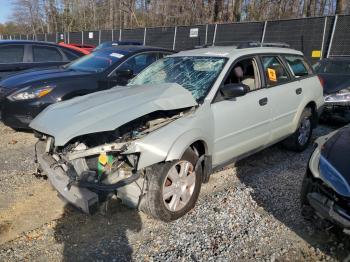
<point>185,140</point>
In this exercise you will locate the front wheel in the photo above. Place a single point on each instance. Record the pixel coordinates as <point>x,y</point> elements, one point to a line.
<point>301,138</point>
<point>173,188</point>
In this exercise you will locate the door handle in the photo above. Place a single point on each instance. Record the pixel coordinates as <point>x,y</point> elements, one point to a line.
<point>298,91</point>
<point>263,101</point>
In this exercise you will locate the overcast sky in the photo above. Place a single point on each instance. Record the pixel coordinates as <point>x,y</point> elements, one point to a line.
<point>5,10</point>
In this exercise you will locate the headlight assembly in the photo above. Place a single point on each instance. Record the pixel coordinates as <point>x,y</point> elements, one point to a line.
<point>333,178</point>
<point>31,93</point>
<point>341,96</point>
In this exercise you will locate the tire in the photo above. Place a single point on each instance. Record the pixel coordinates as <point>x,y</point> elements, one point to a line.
<point>301,138</point>
<point>160,176</point>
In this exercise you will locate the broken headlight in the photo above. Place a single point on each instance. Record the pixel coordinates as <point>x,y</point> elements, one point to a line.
<point>341,96</point>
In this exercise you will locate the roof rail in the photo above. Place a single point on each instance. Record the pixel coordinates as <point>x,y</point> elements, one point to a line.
<point>258,44</point>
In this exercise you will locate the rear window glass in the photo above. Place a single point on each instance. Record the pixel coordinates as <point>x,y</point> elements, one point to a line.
<point>46,54</point>
<point>11,54</point>
<point>298,66</point>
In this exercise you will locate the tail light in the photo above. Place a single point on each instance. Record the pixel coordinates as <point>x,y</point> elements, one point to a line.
<point>321,81</point>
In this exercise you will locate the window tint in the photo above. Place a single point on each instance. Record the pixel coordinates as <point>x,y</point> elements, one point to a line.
<point>70,56</point>
<point>11,54</point>
<point>298,66</point>
<point>46,54</point>
<point>139,62</point>
<point>275,72</point>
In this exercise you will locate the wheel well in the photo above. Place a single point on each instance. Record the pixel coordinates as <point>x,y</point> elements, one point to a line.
<point>315,115</point>
<point>199,147</point>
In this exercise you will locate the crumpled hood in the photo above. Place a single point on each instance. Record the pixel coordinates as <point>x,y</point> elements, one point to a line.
<point>337,152</point>
<point>108,110</point>
<point>29,77</point>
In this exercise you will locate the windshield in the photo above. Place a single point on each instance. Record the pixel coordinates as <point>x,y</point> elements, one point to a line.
<point>341,67</point>
<point>96,61</point>
<point>196,74</point>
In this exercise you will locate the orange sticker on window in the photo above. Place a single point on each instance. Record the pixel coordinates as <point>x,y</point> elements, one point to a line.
<point>272,74</point>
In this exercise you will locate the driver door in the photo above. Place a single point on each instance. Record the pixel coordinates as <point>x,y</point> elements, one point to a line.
<point>242,124</point>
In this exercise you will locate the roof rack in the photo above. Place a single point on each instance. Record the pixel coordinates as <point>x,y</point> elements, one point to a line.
<point>258,44</point>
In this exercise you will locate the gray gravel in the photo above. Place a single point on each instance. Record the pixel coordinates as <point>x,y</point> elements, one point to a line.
<point>247,212</point>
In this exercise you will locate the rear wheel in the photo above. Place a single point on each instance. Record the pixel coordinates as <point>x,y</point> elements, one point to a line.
<point>173,188</point>
<point>301,138</point>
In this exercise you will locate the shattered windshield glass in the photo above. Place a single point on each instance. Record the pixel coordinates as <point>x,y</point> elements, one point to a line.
<point>196,74</point>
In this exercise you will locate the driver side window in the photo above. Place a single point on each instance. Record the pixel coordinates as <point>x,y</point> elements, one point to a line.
<point>246,72</point>
<point>138,62</point>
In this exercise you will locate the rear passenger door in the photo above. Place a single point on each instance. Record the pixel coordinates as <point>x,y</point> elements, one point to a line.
<point>12,59</point>
<point>47,56</point>
<point>285,95</point>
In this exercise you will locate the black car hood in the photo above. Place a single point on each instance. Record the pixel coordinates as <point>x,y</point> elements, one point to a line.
<point>337,152</point>
<point>334,82</point>
<point>46,75</point>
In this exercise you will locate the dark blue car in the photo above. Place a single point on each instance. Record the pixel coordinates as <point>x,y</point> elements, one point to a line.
<point>18,55</point>
<point>25,95</point>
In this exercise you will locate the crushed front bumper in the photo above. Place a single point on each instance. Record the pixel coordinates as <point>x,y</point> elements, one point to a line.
<point>82,198</point>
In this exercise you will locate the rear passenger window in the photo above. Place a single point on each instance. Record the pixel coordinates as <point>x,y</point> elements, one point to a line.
<point>11,54</point>
<point>275,72</point>
<point>298,66</point>
<point>46,54</point>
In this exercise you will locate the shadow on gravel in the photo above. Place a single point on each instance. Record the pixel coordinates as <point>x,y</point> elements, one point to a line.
<point>98,237</point>
<point>275,175</point>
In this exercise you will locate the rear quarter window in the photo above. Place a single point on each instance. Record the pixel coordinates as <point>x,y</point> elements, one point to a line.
<point>298,66</point>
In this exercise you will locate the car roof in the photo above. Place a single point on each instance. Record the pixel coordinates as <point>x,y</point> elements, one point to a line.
<point>233,51</point>
<point>133,48</point>
<point>25,42</point>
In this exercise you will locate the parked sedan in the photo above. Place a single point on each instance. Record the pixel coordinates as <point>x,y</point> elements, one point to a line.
<point>25,95</point>
<point>20,55</point>
<point>335,74</point>
<point>326,186</point>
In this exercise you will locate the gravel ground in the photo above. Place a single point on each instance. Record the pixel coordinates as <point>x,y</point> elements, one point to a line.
<point>247,212</point>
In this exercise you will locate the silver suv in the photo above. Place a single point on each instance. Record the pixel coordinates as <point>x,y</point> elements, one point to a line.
<point>154,142</point>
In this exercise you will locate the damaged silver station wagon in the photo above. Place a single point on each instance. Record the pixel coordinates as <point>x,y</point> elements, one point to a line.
<point>154,142</point>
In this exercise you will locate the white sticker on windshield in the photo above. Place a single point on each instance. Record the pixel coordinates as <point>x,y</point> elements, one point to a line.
<point>216,54</point>
<point>116,55</point>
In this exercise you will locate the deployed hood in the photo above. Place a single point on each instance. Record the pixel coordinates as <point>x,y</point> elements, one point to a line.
<point>337,152</point>
<point>28,77</point>
<point>108,110</point>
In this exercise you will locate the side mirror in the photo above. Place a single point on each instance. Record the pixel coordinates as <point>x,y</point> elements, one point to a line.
<point>230,91</point>
<point>126,73</point>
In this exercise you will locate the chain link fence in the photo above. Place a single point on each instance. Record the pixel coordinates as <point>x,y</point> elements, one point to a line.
<point>316,37</point>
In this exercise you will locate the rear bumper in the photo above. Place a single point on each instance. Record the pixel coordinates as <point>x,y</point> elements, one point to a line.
<point>82,198</point>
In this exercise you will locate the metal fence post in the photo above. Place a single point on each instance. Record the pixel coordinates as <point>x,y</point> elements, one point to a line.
<point>263,34</point>
<point>112,35</point>
<point>323,37</point>
<point>214,37</point>
<point>333,30</point>
<point>174,41</point>
<point>99,37</point>
<point>206,34</point>
<point>144,36</point>
<point>45,37</point>
<point>120,34</point>
<point>82,37</point>
<point>68,38</point>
